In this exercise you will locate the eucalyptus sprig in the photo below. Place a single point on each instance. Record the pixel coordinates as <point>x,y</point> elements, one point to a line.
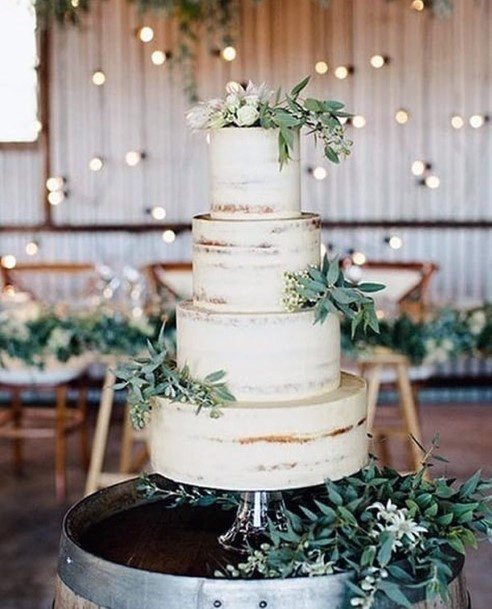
<point>328,291</point>
<point>174,495</point>
<point>157,375</point>
<point>399,536</point>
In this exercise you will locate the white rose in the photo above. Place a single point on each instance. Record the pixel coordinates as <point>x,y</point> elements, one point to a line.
<point>216,120</point>
<point>234,88</point>
<point>251,100</point>
<point>247,116</point>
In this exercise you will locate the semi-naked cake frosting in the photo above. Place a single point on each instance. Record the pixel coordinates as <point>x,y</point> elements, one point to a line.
<point>296,420</point>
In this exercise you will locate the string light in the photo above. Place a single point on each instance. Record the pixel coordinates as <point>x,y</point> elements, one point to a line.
<point>359,258</point>
<point>378,61</point>
<point>168,236</point>
<point>98,78</point>
<point>229,53</point>
<point>401,116</point>
<point>133,157</point>
<point>146,33</point>
<point>432,181</point>
<point>321,67</point>
<point>158,58</point>
<point>319,173</point>
<point>358,121</point>
<point>74,3</point>
<point>56,197</point>
<point>32,248</point>
<point>420,167</point>
<point>158,213</point>
<point>394,241</point>
<point>457,121</point>
<point>417,5</point>
<point>8,261</point>
<point>341,72</point>
<point>477,120</point>
<point>96,163</point>
<point>55,183</point>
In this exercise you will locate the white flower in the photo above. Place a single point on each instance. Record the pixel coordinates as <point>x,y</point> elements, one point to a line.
<point>396,521</point>
<point>59,339</point>
<point>215,104</point>
<point>477,322</point>
<point>232,102</point>
<point>247,116</point>
<point>234,88</point>
<point>261,92</point>
<point>216,120</point>
<point>383,510</point>
<point>199,116</point>
<point>251,100</point>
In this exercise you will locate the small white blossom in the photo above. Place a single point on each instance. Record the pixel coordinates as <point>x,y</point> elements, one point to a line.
<point>199,116</point>
<point>59,339</point>
<point>247,116</point>
<point>232,102</point>
<point>477,322</point>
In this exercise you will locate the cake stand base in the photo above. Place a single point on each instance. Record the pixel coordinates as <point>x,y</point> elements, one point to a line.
<point>256,512</point>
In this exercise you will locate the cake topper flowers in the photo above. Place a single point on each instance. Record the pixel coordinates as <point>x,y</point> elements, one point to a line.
<point>258,106</point>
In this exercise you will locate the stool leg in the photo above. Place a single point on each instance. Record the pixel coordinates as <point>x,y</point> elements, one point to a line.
<point>60,443</point>
<point>373,383</point>
<point>126,444</point>
<point>409,413</point>
<point>16,402</point>
<point>83,429</point>
<point>100,434</point>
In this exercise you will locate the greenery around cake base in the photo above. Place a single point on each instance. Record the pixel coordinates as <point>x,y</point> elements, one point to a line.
<point>395,533</point>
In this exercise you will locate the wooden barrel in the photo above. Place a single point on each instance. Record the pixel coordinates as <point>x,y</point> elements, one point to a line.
<point>119,551</point>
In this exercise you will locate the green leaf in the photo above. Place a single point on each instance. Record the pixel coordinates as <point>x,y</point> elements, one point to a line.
<point>300,86</point>
<point>385,548</point>
<point>333,271</point>
<point>456,544</point>
<point>331,155</point>
<point>371,287</point>
<point>393,592</point>
<point>470,486</point>
<point>313,105</point>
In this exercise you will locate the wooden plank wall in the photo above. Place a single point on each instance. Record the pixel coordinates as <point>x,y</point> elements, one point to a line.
<point>438,67</point>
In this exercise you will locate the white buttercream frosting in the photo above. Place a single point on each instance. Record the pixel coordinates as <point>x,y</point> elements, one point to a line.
<point>239,266</point>
<point>263,446</point>
<point>267,356</point>
<point>245,175</point>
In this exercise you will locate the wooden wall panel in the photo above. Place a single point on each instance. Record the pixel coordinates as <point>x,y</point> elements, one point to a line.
<point>438,67</point>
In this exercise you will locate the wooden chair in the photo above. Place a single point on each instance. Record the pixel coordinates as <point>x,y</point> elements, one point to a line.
<point>97,477</point>
<point>171,281</point>
<point>407,284</point>
<point>19,423</point>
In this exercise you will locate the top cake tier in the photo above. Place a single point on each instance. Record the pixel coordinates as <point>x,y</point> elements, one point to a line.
<point>246,178</point>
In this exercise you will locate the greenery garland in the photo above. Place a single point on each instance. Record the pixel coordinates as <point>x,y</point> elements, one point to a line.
<point>395,533</point>
<point>218,17</point>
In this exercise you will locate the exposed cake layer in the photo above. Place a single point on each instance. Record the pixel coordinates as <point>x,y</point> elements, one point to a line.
<point>258,446</point>
<point>239,266</point>
<point>245,176</point>
<point>267,356</point>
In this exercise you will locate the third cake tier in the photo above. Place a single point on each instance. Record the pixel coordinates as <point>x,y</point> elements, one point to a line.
<point>267,356</point>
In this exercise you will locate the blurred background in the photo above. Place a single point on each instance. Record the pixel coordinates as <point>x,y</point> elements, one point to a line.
<point>100,177</point>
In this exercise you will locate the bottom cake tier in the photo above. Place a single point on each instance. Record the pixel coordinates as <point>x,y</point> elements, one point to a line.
<point>263,446</point>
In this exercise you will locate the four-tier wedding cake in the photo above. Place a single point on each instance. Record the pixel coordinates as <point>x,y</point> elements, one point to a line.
<point>297,419</point>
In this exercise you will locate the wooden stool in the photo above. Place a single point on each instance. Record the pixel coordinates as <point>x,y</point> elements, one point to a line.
<point>18,422</point>
<point>96,477</point>
<point>372,367</point>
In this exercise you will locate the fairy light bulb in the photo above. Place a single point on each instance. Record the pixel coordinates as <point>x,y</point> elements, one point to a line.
<point>32,248</point>
<point>417,5</point>
<point>395,242</point>
<point>476,121</point>
<point>98,78</point>
<point>432,181</point>
<point>133,158</point>
<point>341,72</point>
<point>321,67</point>
<point>418,168</point>
<point>158,212</point>
<point>158,58</point>
<point>378,61</point>
<point>457,121</point>
<point>358,121</point>
<point>75,3</point>
<point>55,183</point>
<point>96,163</point>
<point>8,261</point>
<point>401,116</point>
<point>168,236</point>
<point>359,258</point>
<point>56,197</point>
<point>229,53</point>
<point>319,173</point>
<point>146,34</point>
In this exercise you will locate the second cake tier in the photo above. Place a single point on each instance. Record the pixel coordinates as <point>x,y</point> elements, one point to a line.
<point>255,446</point>
<point>266,356</point>
<point>239,266</point>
